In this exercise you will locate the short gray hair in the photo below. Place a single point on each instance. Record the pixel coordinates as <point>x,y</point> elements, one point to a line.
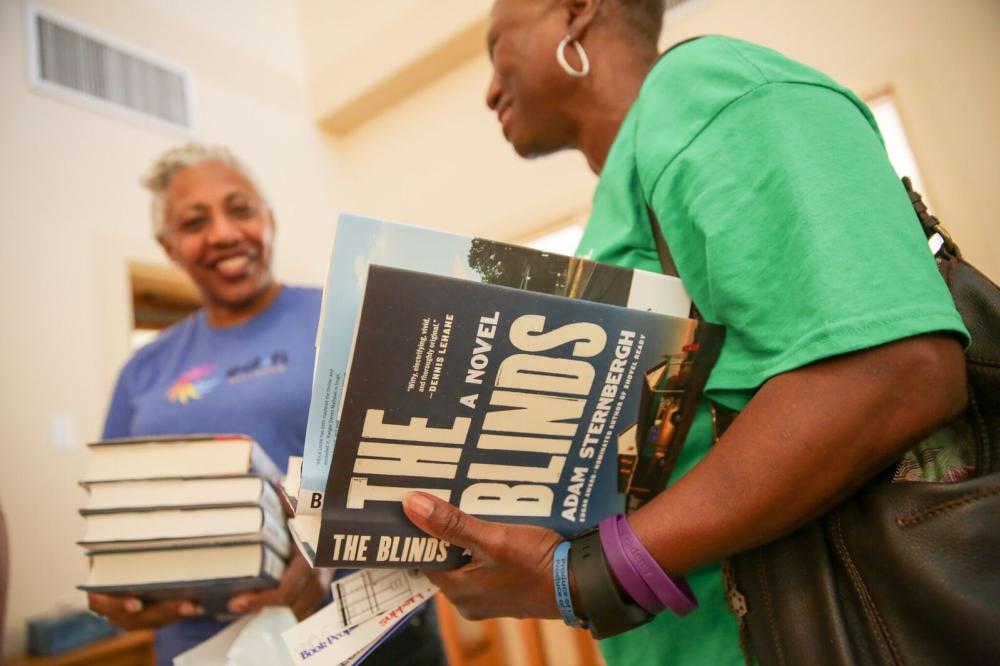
<point>158,178</point>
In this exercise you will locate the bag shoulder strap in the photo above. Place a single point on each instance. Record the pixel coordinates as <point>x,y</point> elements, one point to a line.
<point>930,224</point>
<point>662,251</point>
<point>667,264</point>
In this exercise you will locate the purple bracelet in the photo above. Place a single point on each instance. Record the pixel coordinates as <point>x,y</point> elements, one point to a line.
<point>626,574</point>
<point>673,594</point>
<point>638,564</point>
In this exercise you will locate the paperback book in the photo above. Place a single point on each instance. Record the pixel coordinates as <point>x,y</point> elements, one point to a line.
<point>514,405</point>
<point>363,241</point>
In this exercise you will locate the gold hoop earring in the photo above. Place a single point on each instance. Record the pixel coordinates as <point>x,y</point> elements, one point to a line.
<point>561,58</point>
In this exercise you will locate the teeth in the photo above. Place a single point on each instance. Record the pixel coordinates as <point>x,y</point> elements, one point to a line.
<point>233,265</point>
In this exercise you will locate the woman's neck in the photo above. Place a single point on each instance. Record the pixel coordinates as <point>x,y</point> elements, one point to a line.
<point>614,90</point>
<point>221,315</point>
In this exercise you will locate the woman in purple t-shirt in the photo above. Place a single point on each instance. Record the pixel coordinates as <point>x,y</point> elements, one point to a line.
<point>212,221</point>
<point>243,363</point>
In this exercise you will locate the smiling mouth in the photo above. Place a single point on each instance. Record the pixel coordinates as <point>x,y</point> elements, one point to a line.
<point>234,267</point>
<point>503,113</point>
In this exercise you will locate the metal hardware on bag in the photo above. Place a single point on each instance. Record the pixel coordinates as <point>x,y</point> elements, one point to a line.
<point>949,243</point>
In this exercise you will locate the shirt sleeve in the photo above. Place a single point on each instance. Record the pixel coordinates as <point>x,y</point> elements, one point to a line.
<point>118,422</point>
<point>790,227</point>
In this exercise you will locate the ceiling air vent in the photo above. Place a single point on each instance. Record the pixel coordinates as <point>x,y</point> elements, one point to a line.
<point>74,62</point>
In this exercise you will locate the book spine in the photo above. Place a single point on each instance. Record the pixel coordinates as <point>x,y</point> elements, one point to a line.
<point>309,503</point>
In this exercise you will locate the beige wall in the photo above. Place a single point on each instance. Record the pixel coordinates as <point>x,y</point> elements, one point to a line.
<point>437,157</point>
<point>72,214</point>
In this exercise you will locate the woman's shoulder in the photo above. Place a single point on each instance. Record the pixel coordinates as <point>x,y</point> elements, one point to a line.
<point>300,307</point>
<point>304,294</point>
<point>696,81</point>
<point>148,357</point>
<point>306,300</point>
<point>169,337</point>
<point>730,64</point>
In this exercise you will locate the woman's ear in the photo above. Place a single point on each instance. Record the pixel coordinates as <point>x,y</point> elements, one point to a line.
<point>581,15</point>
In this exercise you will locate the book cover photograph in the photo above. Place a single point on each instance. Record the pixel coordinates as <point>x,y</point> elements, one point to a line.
<point>512,404</point>
<point>362,241</point>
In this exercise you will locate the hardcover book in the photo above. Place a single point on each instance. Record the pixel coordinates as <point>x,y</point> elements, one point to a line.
<point>208,492</point>
<point>177,456</point>
<point>513,405</point>
<point>362,241</point>
<point>190,526</point>
<point>210,575</point>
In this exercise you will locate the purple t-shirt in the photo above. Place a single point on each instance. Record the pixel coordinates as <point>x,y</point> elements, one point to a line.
<point>254,378</point>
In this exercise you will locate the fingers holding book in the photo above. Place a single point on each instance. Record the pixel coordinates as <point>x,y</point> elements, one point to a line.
<point>510,572</point>
<point>131,613</point>
<point>300,589</point>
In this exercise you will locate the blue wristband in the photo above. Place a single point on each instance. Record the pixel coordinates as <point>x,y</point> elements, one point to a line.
<point>560,578</point>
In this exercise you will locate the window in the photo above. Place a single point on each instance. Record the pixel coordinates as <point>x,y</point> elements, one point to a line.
<point>561,238</point>
<point>896,144</point>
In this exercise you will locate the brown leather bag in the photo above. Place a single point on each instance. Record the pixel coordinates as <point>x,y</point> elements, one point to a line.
<point>902,572</point>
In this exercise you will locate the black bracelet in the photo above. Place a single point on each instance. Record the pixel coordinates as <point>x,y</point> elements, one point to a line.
<point>607,610</point>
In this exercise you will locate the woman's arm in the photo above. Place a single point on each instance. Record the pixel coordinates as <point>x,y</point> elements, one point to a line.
<point>806,440</point>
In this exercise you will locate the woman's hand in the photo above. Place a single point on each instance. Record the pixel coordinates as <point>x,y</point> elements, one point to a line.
<point>301,589</point>
<point>510,574</point>
<point>131,613</point>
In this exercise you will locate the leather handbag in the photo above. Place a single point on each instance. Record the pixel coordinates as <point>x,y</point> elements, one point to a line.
<point>903,571</point>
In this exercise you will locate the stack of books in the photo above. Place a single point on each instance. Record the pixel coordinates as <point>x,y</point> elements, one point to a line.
<point>193,516</point>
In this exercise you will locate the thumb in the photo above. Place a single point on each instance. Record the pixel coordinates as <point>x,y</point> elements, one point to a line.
<point>444,521</point>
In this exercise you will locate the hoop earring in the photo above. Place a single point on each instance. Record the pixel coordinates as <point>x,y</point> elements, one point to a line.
<point>561,58</point>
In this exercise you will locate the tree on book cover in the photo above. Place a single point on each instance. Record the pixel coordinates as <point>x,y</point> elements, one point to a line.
<point>511,404</point>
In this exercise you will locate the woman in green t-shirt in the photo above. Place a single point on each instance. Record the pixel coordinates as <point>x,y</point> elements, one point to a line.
<point>788,226</point>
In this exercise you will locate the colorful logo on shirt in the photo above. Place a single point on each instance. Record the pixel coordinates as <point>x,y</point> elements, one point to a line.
<point>193,384</point>
<point>200,380</point>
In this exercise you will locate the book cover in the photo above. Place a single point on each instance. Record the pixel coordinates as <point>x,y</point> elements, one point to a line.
<point>361,241</point>
<point>510,404</point>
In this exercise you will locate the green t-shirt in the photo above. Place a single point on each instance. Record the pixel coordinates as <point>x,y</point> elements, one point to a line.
<point>787,224</point>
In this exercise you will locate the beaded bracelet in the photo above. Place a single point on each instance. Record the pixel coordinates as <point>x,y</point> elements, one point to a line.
<point>560,579</point>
